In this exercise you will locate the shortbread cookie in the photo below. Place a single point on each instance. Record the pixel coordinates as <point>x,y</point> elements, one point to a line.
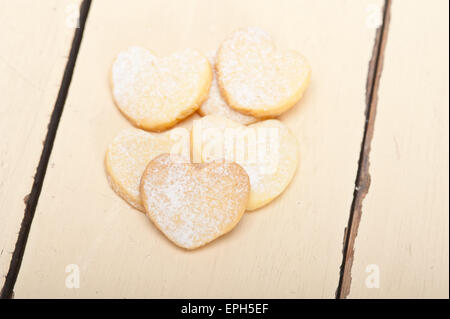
<point>258,79</point>
<point>130,152</point>
<point>215,104</point>
<point>193,204</point>
<point>155,93</point>
<point>267,150</point>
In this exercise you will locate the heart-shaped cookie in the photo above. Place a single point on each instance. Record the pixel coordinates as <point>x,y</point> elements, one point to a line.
<point>155,93</point>
<point>258,79</point>
<point>215,104</point>
<point>129,153</point>
<point>193,204</point>
<point>267,150</point>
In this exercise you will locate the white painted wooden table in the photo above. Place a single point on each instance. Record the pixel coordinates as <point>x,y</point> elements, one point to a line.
<point>375,117</point>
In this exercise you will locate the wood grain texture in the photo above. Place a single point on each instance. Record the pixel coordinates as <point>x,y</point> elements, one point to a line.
<point>35,43</point>
<point>362,183</point>
<point>404,226</point>
<point>291,248</point>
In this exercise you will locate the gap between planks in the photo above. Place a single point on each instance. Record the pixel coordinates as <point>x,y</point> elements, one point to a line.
<point>362,182</point>
<point>31,200</point>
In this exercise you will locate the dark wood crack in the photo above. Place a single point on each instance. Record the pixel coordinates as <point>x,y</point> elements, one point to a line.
<point>362,182</point>
<point>32,198</point>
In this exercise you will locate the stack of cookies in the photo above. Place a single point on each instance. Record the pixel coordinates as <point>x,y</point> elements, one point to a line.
<point>195,185</point>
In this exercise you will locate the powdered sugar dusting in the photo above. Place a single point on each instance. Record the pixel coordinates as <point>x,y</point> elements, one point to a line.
<point>266,184</point>
<point>192,204</point>
<point>152,91</point>
<point>255,75</point>
<point>215,104</point>
<point>128,155</point>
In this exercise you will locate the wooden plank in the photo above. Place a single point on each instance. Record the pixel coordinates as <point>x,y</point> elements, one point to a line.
<point>402,245</point>
<point>291,248</point>
<point>362,182</point>
<point>35,41</point>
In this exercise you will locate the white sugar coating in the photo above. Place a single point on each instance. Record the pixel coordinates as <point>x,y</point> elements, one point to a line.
<point>256,78</point>
<point>156,92</point>
<point>269,173</point>
<point>192,204</point>
<point>215,104</point>
<point>128,155</point>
